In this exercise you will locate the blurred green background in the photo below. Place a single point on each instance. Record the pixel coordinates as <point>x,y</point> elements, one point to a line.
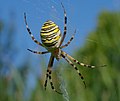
<point>102,46</point>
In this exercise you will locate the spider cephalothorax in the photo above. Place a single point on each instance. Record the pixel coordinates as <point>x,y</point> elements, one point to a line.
<point>52,40</point>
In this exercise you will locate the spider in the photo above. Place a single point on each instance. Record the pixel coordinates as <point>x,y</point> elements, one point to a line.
<point>52,40</point>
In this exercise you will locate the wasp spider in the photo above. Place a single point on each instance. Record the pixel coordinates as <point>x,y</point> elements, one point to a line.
<point>52,40</point>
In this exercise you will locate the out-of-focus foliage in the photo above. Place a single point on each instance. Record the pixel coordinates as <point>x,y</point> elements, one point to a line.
<point>12,78</point>
<point>103,83</point>
<point>102,47</point>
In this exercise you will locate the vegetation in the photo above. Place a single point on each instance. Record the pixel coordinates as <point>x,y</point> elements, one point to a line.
<point>103,83</point>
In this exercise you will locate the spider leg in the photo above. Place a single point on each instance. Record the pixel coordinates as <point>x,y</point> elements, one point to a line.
<point>75,67</point>
<point>28,29</point>
<point>80,63</point>
<point>65,25</point>
<point>48,74</point>
<point>68,41</point>
<point>50,64</point>
<point>51,83</point>
<point>37,52</point>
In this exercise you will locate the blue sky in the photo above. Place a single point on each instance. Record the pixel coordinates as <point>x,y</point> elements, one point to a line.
<point>82,15</point>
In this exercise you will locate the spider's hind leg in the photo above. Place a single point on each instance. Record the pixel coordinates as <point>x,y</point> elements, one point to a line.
<point>72,37</point>
<point>65,25</point>
<point>36,52</point>
<point>28,29</point>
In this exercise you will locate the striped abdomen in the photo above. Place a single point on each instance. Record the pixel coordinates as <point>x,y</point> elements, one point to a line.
<point>50,35</point>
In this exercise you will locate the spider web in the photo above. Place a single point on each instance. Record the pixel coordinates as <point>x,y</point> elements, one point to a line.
<point>37,13</point>
<point>40,11</point>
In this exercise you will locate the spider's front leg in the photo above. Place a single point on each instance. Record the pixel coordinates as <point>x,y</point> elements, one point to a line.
<point>48,74</point>
<point>74,66</point>
<point>80,63</point>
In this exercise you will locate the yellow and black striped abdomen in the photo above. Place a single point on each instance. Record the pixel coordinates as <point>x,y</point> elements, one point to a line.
<point>50,34</point>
